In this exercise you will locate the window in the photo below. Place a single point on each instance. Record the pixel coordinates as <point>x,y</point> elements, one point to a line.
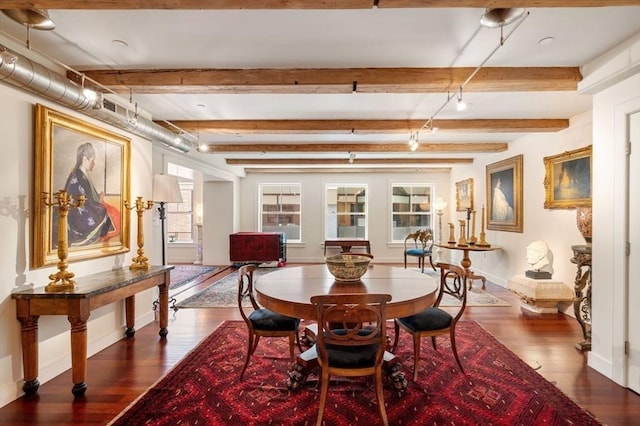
<point>411,209</point>
<point>346,211</point>
<point>180,216</point>
<point>280,209</point>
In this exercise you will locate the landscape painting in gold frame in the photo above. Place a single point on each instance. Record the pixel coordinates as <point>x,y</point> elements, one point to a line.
<point>567,179</point>
<point>76,156</point>
<point>464,195</point>
<point>504,195</point>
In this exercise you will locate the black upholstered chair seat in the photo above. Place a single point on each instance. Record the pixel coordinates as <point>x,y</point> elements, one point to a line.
<point>429,319</point>
<point>356,357</point>
<point>264,319</point>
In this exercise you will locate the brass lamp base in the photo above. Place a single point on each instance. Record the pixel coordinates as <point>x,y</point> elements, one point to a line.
<point>61,281</point>
<point>140,263</point>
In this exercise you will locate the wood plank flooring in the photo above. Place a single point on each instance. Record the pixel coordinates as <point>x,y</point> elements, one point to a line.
<point>120,373</point>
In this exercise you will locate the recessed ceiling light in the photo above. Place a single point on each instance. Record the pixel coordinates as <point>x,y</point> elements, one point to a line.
<point>546,41</point>
<point>120,43</point>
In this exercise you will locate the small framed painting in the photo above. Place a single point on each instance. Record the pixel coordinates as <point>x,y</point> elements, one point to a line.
<point>567,179</point>
<point>464,195</point>
<point>81,159</point>
<point>504,195</point>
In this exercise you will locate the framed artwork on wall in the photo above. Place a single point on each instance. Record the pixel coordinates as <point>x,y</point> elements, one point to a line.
<point>504,195</point>
<point>82,159</point>
<point>567,179</point>
<point>464,195</point>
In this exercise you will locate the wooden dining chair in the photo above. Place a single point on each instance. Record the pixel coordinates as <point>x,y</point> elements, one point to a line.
<point>351,340</point>
<point>419,244</point>
<point>262,322</point>
<point>435,321</point>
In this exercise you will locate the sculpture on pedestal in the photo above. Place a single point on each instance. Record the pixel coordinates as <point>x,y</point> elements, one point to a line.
<point>540,260</point>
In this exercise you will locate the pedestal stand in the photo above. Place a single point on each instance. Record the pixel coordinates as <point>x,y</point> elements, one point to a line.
<point>582,286</point>
<point>199,246</point>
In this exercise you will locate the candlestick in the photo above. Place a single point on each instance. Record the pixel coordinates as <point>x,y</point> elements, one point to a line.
<point>452,237</point>
<point>140,262</point>
<point>63,279</point>
<point>473,239</point>
<point>462,242</point>
<point>482,242</point>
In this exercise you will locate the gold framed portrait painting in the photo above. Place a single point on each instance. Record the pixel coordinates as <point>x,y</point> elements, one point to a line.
<point>504,195</point>
<point>82,159</point>
<point>567,179</point>
<point>464,195</point>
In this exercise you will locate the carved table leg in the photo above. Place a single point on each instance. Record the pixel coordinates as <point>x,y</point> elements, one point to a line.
<point>29,335</point>
<point>164,307</point>
<point>78,353</point>
<point>130,314</point>
<point>582,286</point>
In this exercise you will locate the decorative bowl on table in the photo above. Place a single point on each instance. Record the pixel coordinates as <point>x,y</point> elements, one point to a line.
<point>347,266</point>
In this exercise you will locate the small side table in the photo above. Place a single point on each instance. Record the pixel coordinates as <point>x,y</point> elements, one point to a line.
<point>582,285</point>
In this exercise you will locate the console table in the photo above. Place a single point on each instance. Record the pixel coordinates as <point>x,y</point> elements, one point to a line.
<point>582,286</point>
<point>345,245</point>
<point>91,292</point>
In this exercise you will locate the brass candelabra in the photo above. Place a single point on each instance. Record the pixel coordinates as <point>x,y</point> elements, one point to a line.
<point>63,279</point>
<point>140,262</point>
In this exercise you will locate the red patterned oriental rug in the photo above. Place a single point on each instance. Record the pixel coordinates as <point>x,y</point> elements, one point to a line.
<point>498,388</point>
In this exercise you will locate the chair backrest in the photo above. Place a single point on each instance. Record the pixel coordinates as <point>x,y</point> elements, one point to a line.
<point>422,238</point>
<point>245,288</point>
<point>356,319</point>
<point>453,282</point>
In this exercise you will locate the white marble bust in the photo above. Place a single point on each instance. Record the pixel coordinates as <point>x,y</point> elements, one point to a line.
<point>540,257</point>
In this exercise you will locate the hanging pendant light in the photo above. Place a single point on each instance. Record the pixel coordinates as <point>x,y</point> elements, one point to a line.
<point>38,19</point>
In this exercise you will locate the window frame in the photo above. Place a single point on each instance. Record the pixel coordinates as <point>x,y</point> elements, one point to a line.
<point>430,213</point>
<point>364,212</point>
<point>261,211</point>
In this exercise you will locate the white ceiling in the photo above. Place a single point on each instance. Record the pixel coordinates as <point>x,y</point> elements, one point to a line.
<point>428,37</point>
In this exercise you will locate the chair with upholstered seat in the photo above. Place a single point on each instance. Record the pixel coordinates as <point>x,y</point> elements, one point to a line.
<point>262,322</point>
<point>435,321</point>
<point>351,340</point>
<point>419,244</point>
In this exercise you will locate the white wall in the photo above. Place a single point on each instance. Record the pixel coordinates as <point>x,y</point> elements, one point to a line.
<point>379,210</point>
<point>106,325</point>
<point>557,227</point>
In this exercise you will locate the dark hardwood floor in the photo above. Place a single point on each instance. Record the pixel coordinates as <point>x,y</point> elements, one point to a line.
<point>120,373</point>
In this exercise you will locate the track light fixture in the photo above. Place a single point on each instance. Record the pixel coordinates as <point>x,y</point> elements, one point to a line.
<point>352,156</point>
<point>492,18</point>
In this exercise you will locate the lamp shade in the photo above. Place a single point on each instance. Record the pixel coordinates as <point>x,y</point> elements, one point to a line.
<point>166,189</point>
<point>440,204</point>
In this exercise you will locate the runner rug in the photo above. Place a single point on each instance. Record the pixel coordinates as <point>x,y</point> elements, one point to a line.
<point>222,294</point>
<point>184,274</point>
<point>497,389</point>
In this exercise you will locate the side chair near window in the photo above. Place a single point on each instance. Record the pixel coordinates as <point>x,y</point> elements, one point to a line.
<point>435,321</point>
<point>419,244</point>
<point>262,322</point>
<point>351,340</point>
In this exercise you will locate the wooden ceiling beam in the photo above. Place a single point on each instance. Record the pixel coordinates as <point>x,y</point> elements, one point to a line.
<point>335,80</point>
<point>358,147</point>
<point>345,161</point>
<point>298,4</point>
<point>370,126</point>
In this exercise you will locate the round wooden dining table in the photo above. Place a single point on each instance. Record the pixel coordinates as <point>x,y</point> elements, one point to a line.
<point>288,290</point>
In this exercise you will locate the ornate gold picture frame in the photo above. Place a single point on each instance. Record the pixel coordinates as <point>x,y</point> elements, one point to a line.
<point>464,195</point>
<point>504,195</point>
<point>80,158</point>
<point>567,179</point>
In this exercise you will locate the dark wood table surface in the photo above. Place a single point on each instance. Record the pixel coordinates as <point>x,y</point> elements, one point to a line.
<point>288,290</point>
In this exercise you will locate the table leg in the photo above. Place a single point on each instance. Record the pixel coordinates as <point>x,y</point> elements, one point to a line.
<point>29,336</point>
<point>466,264</point>
<point>78,353</point>
<point>164,306</point>
<point>130,315</point>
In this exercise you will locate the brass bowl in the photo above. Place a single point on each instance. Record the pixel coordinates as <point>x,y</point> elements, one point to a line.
<point>347,267</point>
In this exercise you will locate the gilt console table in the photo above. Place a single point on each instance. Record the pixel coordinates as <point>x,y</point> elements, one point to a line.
<point>582,285</point>
<point>91,292</point>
